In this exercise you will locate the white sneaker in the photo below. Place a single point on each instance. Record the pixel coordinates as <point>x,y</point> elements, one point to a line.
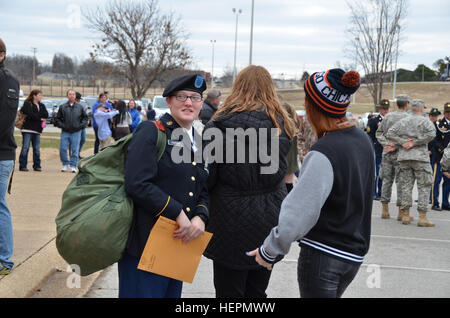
<point>64,168</point>
<point>74,170</point>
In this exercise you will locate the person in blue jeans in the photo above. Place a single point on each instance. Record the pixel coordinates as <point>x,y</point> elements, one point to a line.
<point>36,113</point>
<point>102,100</point>
<point>6,230</point>
<point>9,102</point>
<point>71,118</point>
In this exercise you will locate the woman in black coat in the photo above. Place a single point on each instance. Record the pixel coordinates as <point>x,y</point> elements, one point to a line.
<point>246,195</point>
<point>36,113</point>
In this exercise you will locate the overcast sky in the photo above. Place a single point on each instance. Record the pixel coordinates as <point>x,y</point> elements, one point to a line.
<point>290,36</point>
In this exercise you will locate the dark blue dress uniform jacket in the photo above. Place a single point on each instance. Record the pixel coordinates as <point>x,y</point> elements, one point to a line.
<point>441,141</point>
<point>372,127</point>
<point>161,188</point>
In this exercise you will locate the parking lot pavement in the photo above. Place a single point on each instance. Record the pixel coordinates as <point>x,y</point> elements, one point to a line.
<point>404,261</point>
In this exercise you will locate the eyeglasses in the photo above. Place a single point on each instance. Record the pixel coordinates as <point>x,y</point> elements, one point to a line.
<point>193,98</point>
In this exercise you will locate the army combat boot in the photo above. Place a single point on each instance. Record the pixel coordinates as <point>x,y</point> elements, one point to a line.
<point>385,211</point>
<point>406,219</point>
<point>423,221</point>
<point>401,213</point>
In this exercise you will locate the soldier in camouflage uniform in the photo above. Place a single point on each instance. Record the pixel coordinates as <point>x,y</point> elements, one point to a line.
<point>306,138</point>
<point>411,135</point>
<point>445,162</point>
<point>389,164</point>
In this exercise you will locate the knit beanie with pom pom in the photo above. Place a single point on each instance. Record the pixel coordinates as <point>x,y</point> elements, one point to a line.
<point>331,90</point>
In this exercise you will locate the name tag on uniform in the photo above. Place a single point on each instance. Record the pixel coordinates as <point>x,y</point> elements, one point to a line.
<point>174,143</point>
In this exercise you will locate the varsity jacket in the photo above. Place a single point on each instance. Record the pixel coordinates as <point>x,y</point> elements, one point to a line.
<point>330,207</point>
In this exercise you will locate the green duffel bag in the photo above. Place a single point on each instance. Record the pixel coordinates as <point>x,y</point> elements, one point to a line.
<point>93,224</point>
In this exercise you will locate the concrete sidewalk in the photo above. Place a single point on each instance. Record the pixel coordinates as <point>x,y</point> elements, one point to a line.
<point>34,202</point>
<point>403,261</point>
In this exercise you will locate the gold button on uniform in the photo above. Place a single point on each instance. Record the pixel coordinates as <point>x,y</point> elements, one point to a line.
<point>191,194</point>
<point>188,209</point>
<point>194,163</point>
<point>193,178</point>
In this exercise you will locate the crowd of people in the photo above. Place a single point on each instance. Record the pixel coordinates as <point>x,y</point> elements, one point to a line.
<point>111,121</point>
<point>409,148</point>
<point>254,216</point>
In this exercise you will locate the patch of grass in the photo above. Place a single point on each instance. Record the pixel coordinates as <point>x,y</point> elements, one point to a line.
<point>53,143</point>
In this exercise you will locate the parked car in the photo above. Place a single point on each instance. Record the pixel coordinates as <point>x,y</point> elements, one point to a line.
<point>160,106</point>
<point>21,101</point>
<point>50,105</point>
<point>350,116</point>
<point>300,114</point>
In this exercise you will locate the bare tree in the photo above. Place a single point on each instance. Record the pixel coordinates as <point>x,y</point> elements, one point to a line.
<point>375,34</point>
<point>143,42</point>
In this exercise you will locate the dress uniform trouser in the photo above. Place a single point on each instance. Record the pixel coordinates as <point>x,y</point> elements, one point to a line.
<point>136,283</point>
<point>378,180</point>
<point>437,177</point>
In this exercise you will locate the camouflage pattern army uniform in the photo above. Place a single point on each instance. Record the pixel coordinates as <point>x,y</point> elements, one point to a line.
<point>414,163</point>
<point>389,163</point>
<point>306,138</point>
<point>445,161</point>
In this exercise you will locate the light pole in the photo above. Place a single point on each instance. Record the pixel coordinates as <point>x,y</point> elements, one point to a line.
<point>236,12</point>
<point>212,66</point>
<point>396,60</point>
<point>34,64</point>
<point>251,33</point>
<point>356,64</point>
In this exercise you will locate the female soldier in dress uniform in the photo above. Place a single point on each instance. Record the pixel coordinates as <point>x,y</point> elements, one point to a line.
<point>174,190</point>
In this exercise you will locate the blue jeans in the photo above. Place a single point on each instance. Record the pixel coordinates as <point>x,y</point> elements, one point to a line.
<point>82,138</point>
<point>35,140</point>
<point>6,230</point>
<point>323,276</point>
<point>72,141</point>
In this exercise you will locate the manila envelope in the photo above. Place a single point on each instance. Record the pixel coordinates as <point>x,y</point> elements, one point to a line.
<point>166,256</point>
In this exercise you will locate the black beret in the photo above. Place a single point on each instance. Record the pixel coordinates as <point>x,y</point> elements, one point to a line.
<point>194,83</point>
<point>77,95</point>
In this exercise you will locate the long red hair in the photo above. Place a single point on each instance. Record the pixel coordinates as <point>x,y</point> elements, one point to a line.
<point>321,123</point>
<point>252,90</point>
<point>33,93</point>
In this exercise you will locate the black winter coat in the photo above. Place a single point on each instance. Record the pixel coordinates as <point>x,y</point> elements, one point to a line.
<point>9,102</point>
<point>207,112</point>
<point>71,118</point>
<point>33,121</point>
<point>244,204</point>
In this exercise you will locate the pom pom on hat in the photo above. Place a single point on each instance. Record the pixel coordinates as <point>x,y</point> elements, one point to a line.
<point>351,79</point>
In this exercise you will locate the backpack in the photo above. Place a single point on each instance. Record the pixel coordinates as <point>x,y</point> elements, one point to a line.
<point>93,224</point>
<point>20,119</point>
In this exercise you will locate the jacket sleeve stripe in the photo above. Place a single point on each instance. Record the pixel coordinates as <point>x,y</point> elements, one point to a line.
<point>167,203</point>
